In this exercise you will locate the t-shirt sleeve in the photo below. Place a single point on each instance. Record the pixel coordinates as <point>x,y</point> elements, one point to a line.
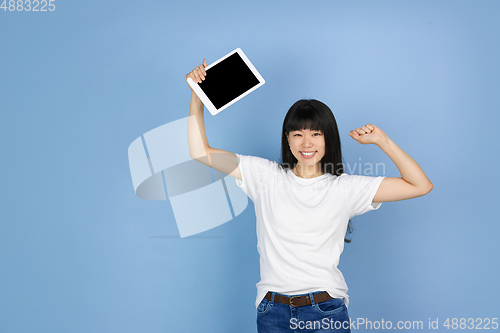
<point>254,172</point>
<point>360,191</point>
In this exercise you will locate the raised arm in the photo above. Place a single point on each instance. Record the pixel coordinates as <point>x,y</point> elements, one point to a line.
<point>413,181</point>
<point>199,149</point>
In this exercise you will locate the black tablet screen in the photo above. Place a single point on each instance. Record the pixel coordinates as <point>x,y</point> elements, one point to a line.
<point>227,80</point>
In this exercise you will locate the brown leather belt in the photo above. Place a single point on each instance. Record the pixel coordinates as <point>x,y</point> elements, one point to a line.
<point>297,301</point>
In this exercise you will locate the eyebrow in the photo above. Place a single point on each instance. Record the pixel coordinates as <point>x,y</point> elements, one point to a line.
<point>310,130</point>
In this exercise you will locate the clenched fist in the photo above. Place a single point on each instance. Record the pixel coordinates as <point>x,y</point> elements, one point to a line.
<point>369,134</point>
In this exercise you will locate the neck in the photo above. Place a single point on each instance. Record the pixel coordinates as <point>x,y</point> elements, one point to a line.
<point>308,171</point>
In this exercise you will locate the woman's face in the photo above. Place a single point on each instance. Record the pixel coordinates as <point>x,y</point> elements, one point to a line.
<point>307,146</point>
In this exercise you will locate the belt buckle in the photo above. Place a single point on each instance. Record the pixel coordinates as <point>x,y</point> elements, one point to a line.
<point>291,300</point>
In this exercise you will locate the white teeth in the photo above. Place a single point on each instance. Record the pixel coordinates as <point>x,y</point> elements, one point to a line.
<point>308,154</point>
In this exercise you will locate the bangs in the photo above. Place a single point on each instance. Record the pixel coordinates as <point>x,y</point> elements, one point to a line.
<point>304,118</point>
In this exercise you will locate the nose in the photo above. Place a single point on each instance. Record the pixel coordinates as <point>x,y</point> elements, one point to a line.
<point>307,142</point>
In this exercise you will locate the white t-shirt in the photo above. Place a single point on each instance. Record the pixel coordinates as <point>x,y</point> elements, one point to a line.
<point>301,225</point>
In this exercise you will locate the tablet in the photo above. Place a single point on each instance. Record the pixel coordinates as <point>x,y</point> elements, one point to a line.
<point>229,79</point>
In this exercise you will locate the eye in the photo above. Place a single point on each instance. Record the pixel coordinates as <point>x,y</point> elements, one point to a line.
<point>317,133</point>
<point>296,134</point>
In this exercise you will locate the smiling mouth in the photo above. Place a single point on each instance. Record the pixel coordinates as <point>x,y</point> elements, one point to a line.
<point>308,155</point>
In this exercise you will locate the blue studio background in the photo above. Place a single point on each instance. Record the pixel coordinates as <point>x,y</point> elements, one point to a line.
<point>79,252</point>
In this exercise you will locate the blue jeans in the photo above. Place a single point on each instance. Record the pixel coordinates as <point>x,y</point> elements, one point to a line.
<point>329,316</point>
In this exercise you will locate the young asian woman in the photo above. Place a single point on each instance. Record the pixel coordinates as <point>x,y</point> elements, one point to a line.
<point>303,209</point>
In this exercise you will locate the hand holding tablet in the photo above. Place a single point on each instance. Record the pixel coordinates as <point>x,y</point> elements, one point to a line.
<point>225,81</point>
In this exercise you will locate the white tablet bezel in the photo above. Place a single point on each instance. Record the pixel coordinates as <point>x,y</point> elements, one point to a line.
<point>206,101</point>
